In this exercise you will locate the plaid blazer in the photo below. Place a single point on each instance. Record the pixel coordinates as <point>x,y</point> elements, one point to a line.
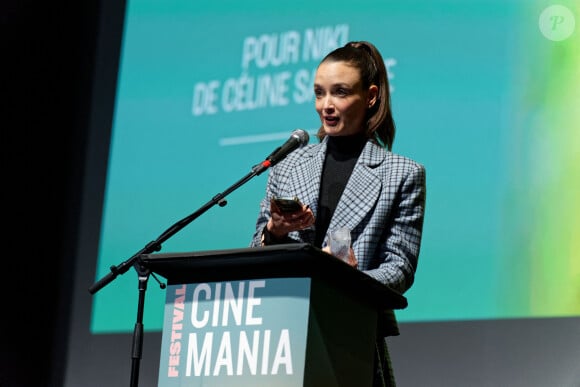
<point>383,204</point>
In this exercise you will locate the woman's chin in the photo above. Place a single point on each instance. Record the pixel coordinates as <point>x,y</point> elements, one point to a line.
<point>332,130</point>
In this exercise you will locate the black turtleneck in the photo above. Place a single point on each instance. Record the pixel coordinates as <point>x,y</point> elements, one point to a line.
<point>342,152</point>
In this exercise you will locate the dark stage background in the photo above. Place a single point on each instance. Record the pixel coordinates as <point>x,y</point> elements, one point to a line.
<point>48,58</point>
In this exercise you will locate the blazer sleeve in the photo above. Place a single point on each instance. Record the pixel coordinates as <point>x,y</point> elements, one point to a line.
<point>399,250</point>
<point>264,214</point>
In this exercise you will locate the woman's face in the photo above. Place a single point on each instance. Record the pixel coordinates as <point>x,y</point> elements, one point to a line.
<point>341,101</point>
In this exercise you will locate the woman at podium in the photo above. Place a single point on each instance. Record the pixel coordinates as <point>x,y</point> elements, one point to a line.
<point>352,180</point>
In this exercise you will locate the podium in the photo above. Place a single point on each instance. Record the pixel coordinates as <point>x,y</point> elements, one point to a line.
<point>283,315</point>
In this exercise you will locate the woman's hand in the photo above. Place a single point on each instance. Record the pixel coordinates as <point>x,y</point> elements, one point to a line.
<point>281,223</point>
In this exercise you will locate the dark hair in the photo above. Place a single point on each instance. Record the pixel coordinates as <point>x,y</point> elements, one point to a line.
<point>368,60</point>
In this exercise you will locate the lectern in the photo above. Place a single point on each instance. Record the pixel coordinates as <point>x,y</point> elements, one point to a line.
<point>284,315</point>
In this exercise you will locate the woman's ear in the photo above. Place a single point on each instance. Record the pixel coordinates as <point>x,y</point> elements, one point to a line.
<point>372,95</point>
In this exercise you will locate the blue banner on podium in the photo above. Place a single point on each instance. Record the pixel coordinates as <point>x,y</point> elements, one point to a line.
<point>235,333</point>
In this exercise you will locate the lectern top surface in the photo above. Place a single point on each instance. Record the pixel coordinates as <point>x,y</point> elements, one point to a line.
<point>277,261</point>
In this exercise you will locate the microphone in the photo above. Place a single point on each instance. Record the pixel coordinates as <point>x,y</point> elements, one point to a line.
<point>297,139</point>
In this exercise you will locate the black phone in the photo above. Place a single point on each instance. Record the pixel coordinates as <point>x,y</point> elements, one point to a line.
<point>288,204</point>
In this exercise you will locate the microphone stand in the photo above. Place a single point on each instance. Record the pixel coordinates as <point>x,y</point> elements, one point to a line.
<point>143,272</point>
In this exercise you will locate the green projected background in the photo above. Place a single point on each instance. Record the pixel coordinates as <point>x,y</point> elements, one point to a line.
<point>485,94</point>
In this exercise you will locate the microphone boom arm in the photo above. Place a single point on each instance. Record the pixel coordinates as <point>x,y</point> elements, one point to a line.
<point>155,245</point>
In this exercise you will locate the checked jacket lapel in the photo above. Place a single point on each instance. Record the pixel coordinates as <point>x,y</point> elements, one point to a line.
<point>362,190</point>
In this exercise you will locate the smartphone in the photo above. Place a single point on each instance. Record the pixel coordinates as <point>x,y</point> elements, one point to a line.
<point>288,204</point>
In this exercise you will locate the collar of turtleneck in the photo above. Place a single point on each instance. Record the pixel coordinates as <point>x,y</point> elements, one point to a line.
<point>346,147</point>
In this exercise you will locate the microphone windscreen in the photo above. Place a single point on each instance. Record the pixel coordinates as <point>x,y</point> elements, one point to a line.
<point>302,136</point>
